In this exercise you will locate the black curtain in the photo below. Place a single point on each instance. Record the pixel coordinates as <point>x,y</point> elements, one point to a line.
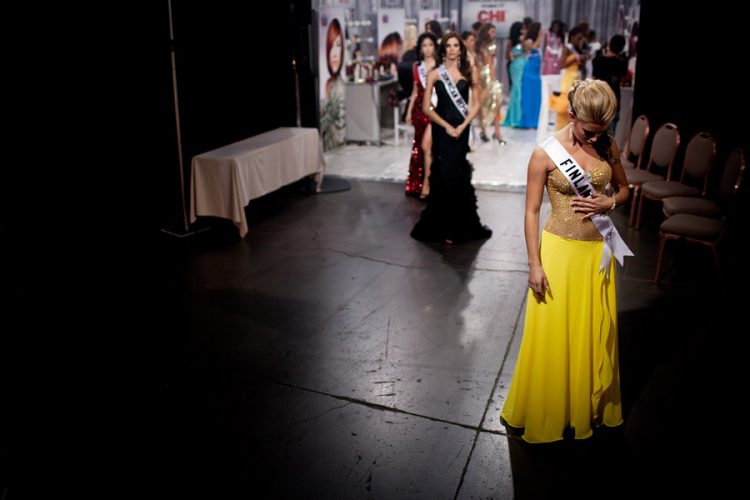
<point>685,77</point>
<point>234,71</point>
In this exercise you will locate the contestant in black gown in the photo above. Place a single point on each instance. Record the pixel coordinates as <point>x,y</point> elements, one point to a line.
<point>451,212</point>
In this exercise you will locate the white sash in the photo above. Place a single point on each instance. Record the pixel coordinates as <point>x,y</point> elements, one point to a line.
<point>613,242</point>
<point>422,74</point>
<point>423,80</point>
<point>453,91</point>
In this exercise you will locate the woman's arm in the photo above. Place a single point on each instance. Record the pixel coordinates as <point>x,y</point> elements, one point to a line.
<point>432,77</point>
<point>412,98</point>
<point>535,181</point>
<point>601,203</point>
<point>619,181</point>
<point>538,42</point>
<point>473,103</point>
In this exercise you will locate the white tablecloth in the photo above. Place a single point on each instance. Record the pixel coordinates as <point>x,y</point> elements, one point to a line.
<point>224,180</point>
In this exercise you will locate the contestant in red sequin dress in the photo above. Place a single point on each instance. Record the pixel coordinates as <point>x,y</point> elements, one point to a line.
<point>417,184</point>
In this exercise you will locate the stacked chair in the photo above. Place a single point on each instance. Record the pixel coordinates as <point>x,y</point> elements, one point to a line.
<point>696,167</point>
<point>699,220</point>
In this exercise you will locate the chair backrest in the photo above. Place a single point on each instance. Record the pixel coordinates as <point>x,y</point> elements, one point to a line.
<point>699,158</point>
<point>637,139</point>
<point>663,148</point>
<point>734,170</point>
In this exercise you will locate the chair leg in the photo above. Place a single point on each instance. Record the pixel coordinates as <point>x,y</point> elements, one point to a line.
<point>640,213</point>
<point>662,241</point>
<point>633,203</point>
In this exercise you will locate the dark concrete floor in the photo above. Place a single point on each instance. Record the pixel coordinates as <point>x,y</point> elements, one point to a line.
<point>329,355</point>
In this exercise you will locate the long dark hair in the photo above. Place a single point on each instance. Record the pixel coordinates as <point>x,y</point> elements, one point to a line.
<point>515,33</point>
<point>464,67</point>
<point>435,27</point>
<point>421,39</point>
<point>483,37</point>
<point>559,31</point>
<point>533,31</point>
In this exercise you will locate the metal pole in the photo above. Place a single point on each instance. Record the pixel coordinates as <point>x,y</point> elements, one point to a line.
<point>177,122</point>
<point>296,91</point>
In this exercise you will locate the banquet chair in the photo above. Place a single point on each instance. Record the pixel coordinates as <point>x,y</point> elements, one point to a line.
<point>731,180</point>
<point>635,143</point>
<point>704,231</point>
<point>663,148</point>
<point>696,167</point>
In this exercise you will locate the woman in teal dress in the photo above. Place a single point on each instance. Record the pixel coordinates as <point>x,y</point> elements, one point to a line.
<point>517,55</point>
<point>531,101</point>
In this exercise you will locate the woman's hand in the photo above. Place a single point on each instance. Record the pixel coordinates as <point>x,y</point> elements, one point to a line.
<point>453,131</point>
<point>408,118</point>
<point>538,281</point>
<point>593,205</point>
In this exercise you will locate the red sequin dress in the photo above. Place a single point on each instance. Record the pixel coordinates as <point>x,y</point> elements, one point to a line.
<point>420,122</point>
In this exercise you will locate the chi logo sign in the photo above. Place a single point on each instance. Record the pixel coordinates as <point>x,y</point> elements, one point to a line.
<point>491,16</point>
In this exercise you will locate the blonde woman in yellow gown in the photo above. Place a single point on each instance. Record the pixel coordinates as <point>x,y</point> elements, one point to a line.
<point>567,374</point>
<point>491,90</point>
<point>571,61</point>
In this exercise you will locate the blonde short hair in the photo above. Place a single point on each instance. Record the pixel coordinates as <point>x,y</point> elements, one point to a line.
<point>592,101</point>
<point>410,36</point>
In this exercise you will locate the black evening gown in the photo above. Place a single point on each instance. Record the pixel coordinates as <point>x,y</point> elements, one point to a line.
<point>451,212</point>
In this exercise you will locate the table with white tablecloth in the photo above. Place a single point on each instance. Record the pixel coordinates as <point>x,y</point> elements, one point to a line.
<point>224,180</point>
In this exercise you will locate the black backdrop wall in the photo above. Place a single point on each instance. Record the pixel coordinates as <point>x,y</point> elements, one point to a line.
<point>234,77</point>
<point>91,178</point>
<point>687,72</point>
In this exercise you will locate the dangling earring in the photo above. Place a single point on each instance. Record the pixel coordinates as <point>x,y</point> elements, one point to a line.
<point>570,133</point>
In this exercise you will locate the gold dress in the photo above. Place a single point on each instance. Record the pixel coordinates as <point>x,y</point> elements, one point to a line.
<point>567,373</point>
<point>493,98</point>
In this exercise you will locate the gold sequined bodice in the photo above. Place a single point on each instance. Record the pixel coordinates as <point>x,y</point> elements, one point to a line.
<point>564,221</point>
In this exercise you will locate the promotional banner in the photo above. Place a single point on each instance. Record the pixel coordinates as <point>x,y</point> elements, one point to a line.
<point>332,59</point>
<point>501,14</point>
<point>427,15</point>
<point>331,47</point>
<point>390,21</point>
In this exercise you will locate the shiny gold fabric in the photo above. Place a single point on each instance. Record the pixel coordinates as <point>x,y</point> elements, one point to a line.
<point>564,221</point>
<point>492,92</point>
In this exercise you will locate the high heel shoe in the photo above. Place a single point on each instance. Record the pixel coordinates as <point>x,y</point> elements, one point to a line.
<point>484,137</point>
<point>425,193</point>
<point>502,142</point>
